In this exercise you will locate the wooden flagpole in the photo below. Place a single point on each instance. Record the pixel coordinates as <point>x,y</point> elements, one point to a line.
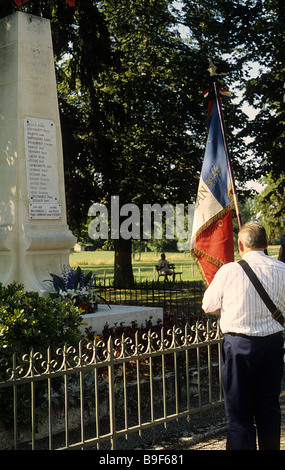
<point>220,112</point>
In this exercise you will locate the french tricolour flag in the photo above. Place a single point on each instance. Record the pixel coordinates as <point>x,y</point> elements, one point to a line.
<point>212,235</point>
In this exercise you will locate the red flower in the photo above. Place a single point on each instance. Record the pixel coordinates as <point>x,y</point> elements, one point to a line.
<point>20,2</point>
<point>84,305</point>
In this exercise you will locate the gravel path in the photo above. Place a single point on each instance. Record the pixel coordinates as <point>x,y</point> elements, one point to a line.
<point>215,439</point>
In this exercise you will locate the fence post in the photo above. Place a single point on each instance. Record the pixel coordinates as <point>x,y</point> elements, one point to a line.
<point>33,399</point>
<point>49,400</point>
<point>81,394</point>
<point>15,396</point>
<point>111,393</point>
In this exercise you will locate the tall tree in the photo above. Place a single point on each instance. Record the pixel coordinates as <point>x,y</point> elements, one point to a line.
<point>269,204</point>
<point>143,115</point>
<point>265,92</point>
<point>230,29</point>
<point>133,117</point>
<point>148,113</point>
<point>252,33</point>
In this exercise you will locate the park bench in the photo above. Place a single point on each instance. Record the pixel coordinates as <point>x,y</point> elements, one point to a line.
<point>165,276</point>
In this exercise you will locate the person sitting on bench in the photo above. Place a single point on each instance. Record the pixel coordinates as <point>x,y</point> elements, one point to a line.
<point>164,269</point>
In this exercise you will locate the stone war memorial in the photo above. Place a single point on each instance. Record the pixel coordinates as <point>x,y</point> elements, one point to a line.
<point>34,236</point>
<point>35,239</point>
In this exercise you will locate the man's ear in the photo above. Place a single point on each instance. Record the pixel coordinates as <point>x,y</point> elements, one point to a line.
<point>240,246</point>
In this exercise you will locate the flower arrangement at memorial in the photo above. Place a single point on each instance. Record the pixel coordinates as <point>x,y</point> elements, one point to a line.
<point>78,286</point>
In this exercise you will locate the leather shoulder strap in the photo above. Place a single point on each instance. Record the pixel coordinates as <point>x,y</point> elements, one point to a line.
<point>277,315</point>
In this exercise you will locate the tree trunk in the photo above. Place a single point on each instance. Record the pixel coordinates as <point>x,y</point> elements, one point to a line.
<point>123,270</point>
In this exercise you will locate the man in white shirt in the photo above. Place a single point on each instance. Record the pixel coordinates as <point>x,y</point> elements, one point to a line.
<point>252,357</point>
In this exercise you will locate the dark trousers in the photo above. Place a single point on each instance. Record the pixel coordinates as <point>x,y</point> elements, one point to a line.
<point>252,369</point>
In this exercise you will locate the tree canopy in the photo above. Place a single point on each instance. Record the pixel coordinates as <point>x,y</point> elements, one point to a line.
<point>269,206</point>
<point>130,94</point>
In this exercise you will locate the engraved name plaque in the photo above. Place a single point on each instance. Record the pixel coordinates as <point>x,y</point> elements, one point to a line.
<point>42,170</point>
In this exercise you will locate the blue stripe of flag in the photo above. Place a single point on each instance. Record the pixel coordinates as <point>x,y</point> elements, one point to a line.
<point>215,173</point>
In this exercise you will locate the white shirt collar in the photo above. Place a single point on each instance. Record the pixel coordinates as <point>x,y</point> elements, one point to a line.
<point>253,254</point>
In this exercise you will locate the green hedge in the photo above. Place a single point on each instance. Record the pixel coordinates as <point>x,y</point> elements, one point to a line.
<point>28,320</point>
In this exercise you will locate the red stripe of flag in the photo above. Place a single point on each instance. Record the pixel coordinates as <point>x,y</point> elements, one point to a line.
<point>215,247</point>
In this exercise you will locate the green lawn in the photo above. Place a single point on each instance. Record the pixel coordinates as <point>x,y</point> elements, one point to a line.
<point>102,263</point>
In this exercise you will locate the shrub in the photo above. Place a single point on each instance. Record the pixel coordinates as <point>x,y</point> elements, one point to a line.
<point>30,321</point>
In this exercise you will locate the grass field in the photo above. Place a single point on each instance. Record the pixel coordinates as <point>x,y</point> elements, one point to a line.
<point>102,263</point>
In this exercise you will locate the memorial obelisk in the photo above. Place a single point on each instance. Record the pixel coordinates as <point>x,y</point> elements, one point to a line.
<point>34,236</point>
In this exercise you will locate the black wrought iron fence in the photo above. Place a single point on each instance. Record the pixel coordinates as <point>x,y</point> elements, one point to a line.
<point>100,393</point>
<point>183,296</point>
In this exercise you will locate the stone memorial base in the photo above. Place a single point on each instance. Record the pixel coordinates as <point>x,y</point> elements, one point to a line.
<point>35,239</point>
<point>119,313</point>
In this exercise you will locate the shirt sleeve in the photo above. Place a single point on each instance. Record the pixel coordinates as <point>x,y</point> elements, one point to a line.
<point>212,299</point>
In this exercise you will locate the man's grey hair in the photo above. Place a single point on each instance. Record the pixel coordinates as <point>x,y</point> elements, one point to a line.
<point>253,235</point>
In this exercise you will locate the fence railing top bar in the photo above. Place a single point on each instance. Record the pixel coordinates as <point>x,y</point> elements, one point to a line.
<point>35,366</point>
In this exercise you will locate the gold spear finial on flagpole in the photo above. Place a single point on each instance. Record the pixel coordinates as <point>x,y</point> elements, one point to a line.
<point>212,68</point>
